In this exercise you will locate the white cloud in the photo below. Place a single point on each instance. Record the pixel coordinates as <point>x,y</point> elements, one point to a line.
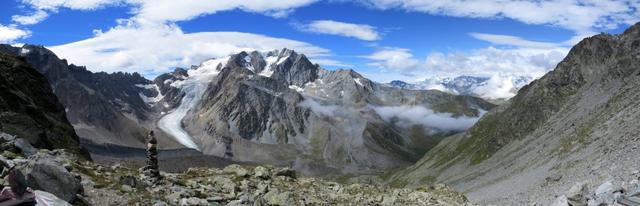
<point>34,18</point>
<point>397,59</point>
<point>152,48</point>
<point>359,31</point>
<point>172,10</point>
<point>42,8</point>
<point>8,34</point>
<point>482,62</point>
<point>70,4</point>
<point>504,67</point>
<point>160,11</point>
<point>579,16</point>
<point>407,116</point>
<point>326,110</point>
<point>497,87</point>
<point>513,41</point>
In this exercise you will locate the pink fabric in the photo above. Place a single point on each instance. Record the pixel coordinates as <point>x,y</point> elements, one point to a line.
<point>6,196</point>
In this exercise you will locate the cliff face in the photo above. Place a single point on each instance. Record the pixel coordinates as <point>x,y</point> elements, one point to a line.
<point>112,108</point>
<point>572,124</point>
<point>30,110</point>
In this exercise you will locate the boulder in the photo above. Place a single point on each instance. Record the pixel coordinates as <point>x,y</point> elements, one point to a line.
<point>286,172</point>
<point>577,195</point>
<point>49,175</point>
<point>261,172</point>
<point>606,193</point>
<point>25,147</point>
<point>237,170</point>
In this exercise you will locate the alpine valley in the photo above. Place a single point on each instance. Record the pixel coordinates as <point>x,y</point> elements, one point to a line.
<point>274,128</point>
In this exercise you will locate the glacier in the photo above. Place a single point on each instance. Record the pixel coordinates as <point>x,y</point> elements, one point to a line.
<point>193,87</point>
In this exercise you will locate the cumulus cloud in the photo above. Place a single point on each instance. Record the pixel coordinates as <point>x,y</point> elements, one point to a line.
<point>407,116</point>
<point>397,59</point>
<point>154,48</point>
<point>497,87</point>
<point>482,62</point>
<point>579,16</point>
<point>8,34</point>
<point>151,42</point>
<point>359,31</point>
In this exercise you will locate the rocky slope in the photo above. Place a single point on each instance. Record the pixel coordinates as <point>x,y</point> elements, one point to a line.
<point>279,108</point>
<point>29,109</point>
<point>578,123</point>
<point>85,183</point>
<point>103,108</point>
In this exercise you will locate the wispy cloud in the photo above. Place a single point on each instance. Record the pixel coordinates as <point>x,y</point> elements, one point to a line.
<point>8,34</point>
<point>30,19</point>
<point>359,31</point>
<point>513,41</point>
<point>157,48</point>
<point>407,116</point>
<point>578,16</point>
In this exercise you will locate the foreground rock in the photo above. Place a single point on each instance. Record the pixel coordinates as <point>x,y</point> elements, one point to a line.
<point>45,171</point>
<point>243,185</point>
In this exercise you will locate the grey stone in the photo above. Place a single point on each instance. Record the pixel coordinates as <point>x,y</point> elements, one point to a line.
<point>48,175</point>
<point>25,147</point>
<point>261,172</point>
<point>287,172</point>
<point>237,170</point>
<point>577,195</point>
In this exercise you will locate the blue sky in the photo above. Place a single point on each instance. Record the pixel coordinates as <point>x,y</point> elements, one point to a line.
<point>383,39</point>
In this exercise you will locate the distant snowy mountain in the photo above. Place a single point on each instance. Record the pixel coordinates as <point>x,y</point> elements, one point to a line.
<point>494,87</point>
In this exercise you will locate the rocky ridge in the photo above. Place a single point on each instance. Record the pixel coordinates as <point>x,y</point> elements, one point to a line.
<point>103,108</point>
<point>30,109</point>
<point>575,124</point>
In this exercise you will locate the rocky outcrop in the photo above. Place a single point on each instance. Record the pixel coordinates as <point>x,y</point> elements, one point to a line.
<point>243,185</point>
<point>576,123</point>
<point>46,171</point>
<point>30,110</point>
<point>117,108</point>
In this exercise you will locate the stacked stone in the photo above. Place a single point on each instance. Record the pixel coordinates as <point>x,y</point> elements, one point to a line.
<point>151,170</point>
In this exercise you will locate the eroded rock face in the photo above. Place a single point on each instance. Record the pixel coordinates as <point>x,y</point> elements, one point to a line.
<point>111,108</point>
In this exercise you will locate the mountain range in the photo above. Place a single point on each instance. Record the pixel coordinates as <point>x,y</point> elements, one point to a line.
<point>573,129</point>
<point>497,87</point>
<point>272,107</point>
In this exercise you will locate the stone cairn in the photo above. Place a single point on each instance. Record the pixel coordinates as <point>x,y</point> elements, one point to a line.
<point>151,170</point>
